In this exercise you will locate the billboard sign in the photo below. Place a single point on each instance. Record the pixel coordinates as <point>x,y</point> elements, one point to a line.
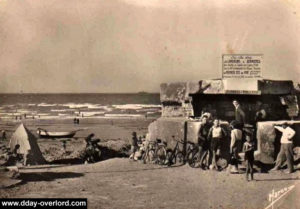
<point>242,66</point>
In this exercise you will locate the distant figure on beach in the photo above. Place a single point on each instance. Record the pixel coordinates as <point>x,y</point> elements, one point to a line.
<point>64,145</point>
<point>25,116</point>
<point>3,132</point>
<point>76,121</point>
<point>82,115</point>
<point>248,148</point>
<point>134,145</point>
<point>286,148</point>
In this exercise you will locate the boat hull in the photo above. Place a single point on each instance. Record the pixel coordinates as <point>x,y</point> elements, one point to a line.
<point>51,134</point>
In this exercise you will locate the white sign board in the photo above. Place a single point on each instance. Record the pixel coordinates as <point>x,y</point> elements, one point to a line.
<point>236,86</point>
<point>242,66</point>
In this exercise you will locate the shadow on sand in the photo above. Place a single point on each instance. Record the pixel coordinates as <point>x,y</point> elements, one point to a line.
<point>43,176</point>
<point>72,161</point>
<point>47,176</point>
<point>140,170</point>
<point>281,179</point>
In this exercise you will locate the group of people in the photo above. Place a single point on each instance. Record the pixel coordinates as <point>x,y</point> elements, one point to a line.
<point>76,120</point>
<point>92,152</point>
<point>138,145</point>
<point>13,157</point>
<point>211,138</point>
<point>287,134</point>
<point>242,140</point>
<point>25,116</point>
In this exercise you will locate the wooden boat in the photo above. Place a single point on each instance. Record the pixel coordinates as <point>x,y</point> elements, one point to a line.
<point>55,134</point>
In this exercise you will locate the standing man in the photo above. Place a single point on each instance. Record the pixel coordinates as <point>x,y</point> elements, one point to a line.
<point>235,146</point>
<point>286,148</point>
<point>202,136</point>
<point>239,113</point>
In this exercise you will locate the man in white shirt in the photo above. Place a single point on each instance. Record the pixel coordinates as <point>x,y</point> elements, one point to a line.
<point>286,149</point>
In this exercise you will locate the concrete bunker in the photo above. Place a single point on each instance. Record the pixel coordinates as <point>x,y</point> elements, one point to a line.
<point>183,103</point>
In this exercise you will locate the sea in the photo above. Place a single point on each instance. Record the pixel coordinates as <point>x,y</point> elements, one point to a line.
<point>96,105</point>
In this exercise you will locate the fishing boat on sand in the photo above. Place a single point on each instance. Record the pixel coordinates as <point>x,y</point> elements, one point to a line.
<point>55,134</point>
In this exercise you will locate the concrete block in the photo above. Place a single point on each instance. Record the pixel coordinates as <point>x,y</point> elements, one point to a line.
<point>268,140</point>
<point>165,128</point>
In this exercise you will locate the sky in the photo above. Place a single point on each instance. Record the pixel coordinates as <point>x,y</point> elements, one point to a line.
<point>101,46</point>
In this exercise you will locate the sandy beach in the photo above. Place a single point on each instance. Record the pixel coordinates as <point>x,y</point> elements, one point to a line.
<point>113,133</point>
<point>121,183</point>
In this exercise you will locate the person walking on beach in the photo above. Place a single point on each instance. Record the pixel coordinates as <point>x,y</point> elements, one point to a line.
<point>239,113</point>
<point>134,145</point>
<point>286,148</point>
<point>248,148</point>
<point>3,132</point>
<point>64,145</point>
<point>216,134</point>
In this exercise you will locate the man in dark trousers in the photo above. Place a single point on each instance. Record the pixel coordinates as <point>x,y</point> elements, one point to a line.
<point>239,113</point>
<point>286,148</point>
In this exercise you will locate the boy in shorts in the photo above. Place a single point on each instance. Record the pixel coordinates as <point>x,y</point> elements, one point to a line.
<point>216,135</point>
